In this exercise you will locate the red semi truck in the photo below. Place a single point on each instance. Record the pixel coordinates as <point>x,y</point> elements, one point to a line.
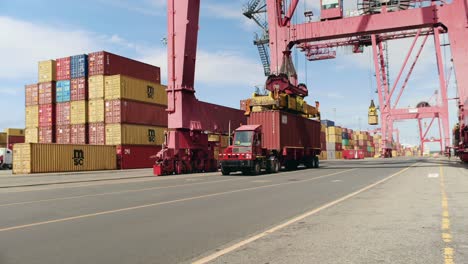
<point>270,140</point>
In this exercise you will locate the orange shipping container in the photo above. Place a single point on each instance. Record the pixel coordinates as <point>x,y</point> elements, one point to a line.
<point>37,158</point>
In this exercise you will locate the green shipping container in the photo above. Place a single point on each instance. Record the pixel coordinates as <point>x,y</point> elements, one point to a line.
<point>345,142</point>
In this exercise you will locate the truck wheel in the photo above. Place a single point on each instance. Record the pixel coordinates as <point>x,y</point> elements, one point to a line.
<point>316,162</point>
<point>276,166</point>
<point>225,171</point>
<point>256,169</point>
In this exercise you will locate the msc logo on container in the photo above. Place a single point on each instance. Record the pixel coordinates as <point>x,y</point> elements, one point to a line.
<point>150,92</point>
<point>78,157</point>
<point>151,135</point>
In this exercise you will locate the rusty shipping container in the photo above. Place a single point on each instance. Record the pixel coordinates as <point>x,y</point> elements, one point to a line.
<point>105,63</point>
<point>47,134</point>
<point>79,134</point>
<point>63,134</point>
<point>78,112</point>
<point>96,87</point>
<point>46,115</point>
<point>63,68</point>
<point>32,116</point>
<point>136,157</point>
<point>132,112</point>
<point>286,130</point>
<point>97,133</point>
<point>121,134</point>
<point>32,94</point>
<point>47,71</point>
<point>46,93</point>
<point>62,113</point>
<point>31,135</point>
<point>41,158</point>
<point>79,89</point>
<point>124,87</point>
<point>96,111</point>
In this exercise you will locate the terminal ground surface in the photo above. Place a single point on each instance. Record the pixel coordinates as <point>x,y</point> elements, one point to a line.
<point>368,211</point>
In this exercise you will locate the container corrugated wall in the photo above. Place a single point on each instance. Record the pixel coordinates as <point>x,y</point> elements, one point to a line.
<point>32,94</point>
<point>41,158</point>
<point>78,112</point>
<point>46,115</point>
<point>79,134</point>
<point>47,93</point>
<point>96,111</point>
<point>62,114</point>
<point>47,71</point>
<point>32,116</point>
<point>96,87</point>
<point>97,133</point>
<point>117,134</point>
<point>47,134</point>
<point>62,92</point>
<point>132,112</point>
<point>63,134</point>
<point>31,135</point>
<point>14,132</point>
<point>136,157</point>
<point>79,89</point>
<point>79,66</point>
<point>63,68</point>
<point>124,87</point>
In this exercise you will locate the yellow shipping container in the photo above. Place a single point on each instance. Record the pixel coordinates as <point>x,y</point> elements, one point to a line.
<point>224,141</point>
<point>96,111</point>
<point>216,153</point>
<point>362,137</point>
<point>47,71</point>
<point>394,153</point>
<point>334,138</point>
<point>78,112</point>
<point>32,116</point>
<point>18,132</point>
<point>96,87</point>
<point>31,135</point>
<point>334,130</point>
<point>323,128</point>
<point>122,134</point>
<point>213,138</point>
<point>37,158</point>
<point>338,155</point>
<point>124,87</point>
<point>323,155</point>
<point>3,138</point>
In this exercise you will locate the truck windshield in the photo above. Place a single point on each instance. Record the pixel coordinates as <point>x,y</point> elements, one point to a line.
<point>243,138</point>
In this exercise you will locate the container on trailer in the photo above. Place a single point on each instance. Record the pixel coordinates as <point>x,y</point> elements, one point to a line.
<point>31,135</point>
<point>212,112</point>
<point>32,116</point>
<point>133,112</point>
<point>63,68</point>
<point>79,66</point>
<point>62,113</point>
<point>79,134</point>
<point>37,158</point>
<point>46,93</point>
<point>46,115</point>
<point>63,134</point>
<point>124,87</point>
<point>123,134</point>
<point>14,132</point>
<point>96,111</point>
<point>47,71</point>
<point>278,133</point>
<point>78,112</point>
<point>31,94</point>
<point>136,157</point>
<point>96,87</point>
<point>105,63</point>
<point>47,134</point>
<point>79,89</point>
<point>62,92</point>
<point>97,133</point>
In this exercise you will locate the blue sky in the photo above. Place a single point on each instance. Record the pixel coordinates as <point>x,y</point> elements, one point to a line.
<point>228,65</point>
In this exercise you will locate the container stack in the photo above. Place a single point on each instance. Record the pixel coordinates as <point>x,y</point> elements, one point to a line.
<point>47,98</point>
<point>334,142</point>
<point>11,136</point>
<point>323,142</point>
<point>377,140</point>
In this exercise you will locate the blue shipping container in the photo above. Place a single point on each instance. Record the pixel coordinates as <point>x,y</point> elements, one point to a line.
<point>328,123</point>
<point>63,91</point>
<point>79,66</point>
<point>345,135</point>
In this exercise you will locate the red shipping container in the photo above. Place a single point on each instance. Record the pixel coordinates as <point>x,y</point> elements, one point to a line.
<point>216,117</point>
<point>105,63</point>
<point>131,112</point>
<point>32,94</point>
<point>136,157</point>
<point>46,115</point>
<point>46,93</point>
<point>353,154</point>
<point>63,68</point>
<point>79,89</point>
<point>285,130</point>
<point>97,133</point>
<point>79,134</point>
<point>338,146</point>
<point>47,134</point>
<point>63,133</point>
<point>62,114</point>
<point>11,140</point>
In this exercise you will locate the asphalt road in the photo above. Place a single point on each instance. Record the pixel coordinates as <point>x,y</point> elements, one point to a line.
<point>181,219</point>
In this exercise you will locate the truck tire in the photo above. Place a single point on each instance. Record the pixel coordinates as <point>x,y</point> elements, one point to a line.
<point>224,171</point>
<point>273,166</point>
<point>256,169</point>
<point>316,162</point>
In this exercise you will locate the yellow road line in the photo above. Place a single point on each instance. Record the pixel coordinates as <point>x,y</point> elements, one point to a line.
<point>164,203</point>
<point>445,225</point>
<point>293,220</point>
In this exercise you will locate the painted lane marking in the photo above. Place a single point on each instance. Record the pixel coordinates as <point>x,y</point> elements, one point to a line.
<point>163,203</point>
<point>433,175</point>
<point>293,220</point>
<point>445,223</point>
<point>336,181</point>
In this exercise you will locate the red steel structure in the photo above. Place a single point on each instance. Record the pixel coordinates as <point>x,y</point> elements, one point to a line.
<point>373,29</point>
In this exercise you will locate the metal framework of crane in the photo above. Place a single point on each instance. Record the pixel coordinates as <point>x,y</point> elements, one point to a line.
<point>378,22</point>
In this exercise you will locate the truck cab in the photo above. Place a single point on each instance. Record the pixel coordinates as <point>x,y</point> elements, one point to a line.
<point>6,158</point>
